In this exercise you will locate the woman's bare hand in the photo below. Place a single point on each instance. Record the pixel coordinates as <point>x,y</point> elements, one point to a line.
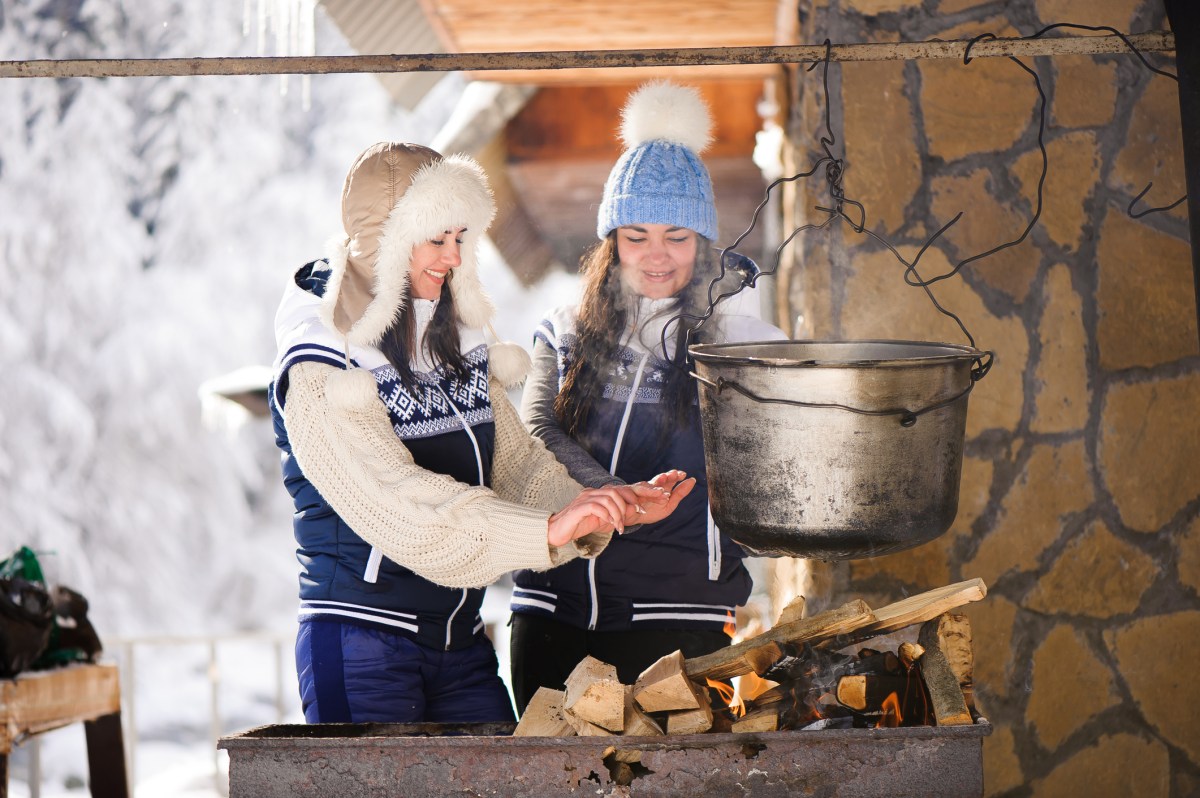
<point>674,485</point>
<point>593,510</point>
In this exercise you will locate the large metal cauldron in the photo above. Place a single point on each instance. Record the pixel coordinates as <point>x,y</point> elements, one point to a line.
<point>833,449</point>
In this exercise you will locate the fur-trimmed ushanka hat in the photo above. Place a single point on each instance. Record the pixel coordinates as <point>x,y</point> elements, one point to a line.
<point>395,197</point>
<point>660,178</point>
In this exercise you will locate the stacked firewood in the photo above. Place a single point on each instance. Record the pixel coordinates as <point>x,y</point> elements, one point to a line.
<point>819,671</point>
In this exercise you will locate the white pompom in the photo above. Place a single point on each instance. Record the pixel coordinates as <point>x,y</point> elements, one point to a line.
<point>665,110</point>
<point>509,363</point>
<point>353,389</point>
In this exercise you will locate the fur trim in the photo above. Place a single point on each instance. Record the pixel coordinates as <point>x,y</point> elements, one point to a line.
<point>667,111</point>
<point>509,363</point>
<point>452,192</point>
<point>352,389</point>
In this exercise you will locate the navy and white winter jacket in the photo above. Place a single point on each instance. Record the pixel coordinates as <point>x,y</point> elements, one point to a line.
<point>447,425</point>
<point>679,573</point>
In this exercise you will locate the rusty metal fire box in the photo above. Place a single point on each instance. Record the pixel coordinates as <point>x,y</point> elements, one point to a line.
<point>410,760</point>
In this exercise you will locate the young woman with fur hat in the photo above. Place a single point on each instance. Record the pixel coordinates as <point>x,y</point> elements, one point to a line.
<point>413,480</point>
<point>612,406</point>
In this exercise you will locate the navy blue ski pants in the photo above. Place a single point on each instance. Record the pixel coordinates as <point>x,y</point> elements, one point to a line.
<point>356,674</point>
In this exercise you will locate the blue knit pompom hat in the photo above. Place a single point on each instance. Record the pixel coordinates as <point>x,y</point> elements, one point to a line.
<point>660,179</point>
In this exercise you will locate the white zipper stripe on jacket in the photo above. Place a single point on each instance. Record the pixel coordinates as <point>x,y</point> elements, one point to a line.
<point>714,548</point>
<point>372,573</point>
<point>479,464</point>
<point>612,469</point>
<point>450,621</point>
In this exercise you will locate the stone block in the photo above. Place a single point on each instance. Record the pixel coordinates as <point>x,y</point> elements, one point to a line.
<point>953,7</point>
<point>1149,449</point>
<point>1153,150</point>
<point>1113,13</point>
<point>1145,296</point>
<point>1071,175</point>
<point>1001,765</point>
<point>985,224</point>
<point>1097,575</point>
<point>1188,556</point>
<point>1116,765</point>
<point>872,8</point>
<point>1085,92</point>
<point>878,304</point>
<point>883,166</point>
<point>1156,656</point>
<point>975,108</point>
<point>925,567</point>
<point>1060,402</point>
<point>1053,483</point>
<point>974,492</point>
<point>993,622</point>
<point>1070,686</point>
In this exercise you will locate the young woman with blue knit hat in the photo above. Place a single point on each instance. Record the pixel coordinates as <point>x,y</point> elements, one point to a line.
<point>414,483</point>
<point>613,407</point>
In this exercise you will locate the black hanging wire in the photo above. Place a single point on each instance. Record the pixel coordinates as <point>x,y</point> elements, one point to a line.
<point>732,261</point>
<point>834,171</point>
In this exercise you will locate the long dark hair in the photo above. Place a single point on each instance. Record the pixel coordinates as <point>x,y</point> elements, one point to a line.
<point>441,338</point>
<point>603,321</point>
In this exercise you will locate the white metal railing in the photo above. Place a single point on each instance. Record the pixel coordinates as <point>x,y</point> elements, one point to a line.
<point>128,651</point>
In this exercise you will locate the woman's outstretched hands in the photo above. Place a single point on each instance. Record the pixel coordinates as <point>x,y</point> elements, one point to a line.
<point>675,484</point>
<point>615,506</point>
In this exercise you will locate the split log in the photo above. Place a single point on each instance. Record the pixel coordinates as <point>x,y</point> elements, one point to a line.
<point>794,611</point>
<point>945,694</point>
<point>544,717</point>
<point>909,653</point>
<point>866,692</point>
<point>765,719</point>
<point>638,723</point>
<point>585,728</point>
<point>924,606</point>
<point>745,656</point>
<point>954,639</point>
<point>690,721</point>
<point>664,686</point>
<point>596,695</point>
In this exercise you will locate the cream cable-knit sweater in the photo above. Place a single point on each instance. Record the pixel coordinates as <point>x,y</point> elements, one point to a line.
<point>448,532</point>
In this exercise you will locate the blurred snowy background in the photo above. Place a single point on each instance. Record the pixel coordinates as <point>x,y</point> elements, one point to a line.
<point>147,226</point>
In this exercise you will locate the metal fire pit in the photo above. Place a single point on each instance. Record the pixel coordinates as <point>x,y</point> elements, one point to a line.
<point>395,760</point>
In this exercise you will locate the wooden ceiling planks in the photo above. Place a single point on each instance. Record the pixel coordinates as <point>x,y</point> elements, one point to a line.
<point>487,26</point>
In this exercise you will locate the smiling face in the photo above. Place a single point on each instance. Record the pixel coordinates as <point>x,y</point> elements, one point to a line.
<point>657,260</point>
<point>432,261</point>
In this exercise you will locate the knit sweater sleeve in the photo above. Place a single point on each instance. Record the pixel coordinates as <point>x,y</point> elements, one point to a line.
<point>524,471</point>
<point>537,410</point>
<point>448,532</point>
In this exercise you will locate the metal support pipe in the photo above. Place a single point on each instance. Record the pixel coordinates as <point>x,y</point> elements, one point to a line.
<point>1184,16</point>
<point>1154,42</point>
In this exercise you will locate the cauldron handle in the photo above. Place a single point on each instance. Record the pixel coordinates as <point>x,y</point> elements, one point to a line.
<point>907,417</point>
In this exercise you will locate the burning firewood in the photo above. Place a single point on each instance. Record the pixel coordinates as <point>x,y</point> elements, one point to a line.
<point>596,696</point>
<point>745,656</point>
<point>544,716</point>
<point>765,719</point>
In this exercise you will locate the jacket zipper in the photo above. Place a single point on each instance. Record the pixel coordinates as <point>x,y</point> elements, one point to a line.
<point>479,464</point>
<point>612,469</point>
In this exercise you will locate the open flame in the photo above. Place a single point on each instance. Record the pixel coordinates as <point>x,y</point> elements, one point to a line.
<point>737,707</point>
<point>890,717</point>
<point>730,627</point>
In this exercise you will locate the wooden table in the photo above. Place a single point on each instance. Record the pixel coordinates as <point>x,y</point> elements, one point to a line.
<point>39,701</point>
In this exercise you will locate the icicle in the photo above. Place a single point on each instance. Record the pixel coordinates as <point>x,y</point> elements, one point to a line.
<point>291,25</point>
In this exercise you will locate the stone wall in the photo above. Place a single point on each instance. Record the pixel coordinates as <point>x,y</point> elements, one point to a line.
<point>1080,498</point>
